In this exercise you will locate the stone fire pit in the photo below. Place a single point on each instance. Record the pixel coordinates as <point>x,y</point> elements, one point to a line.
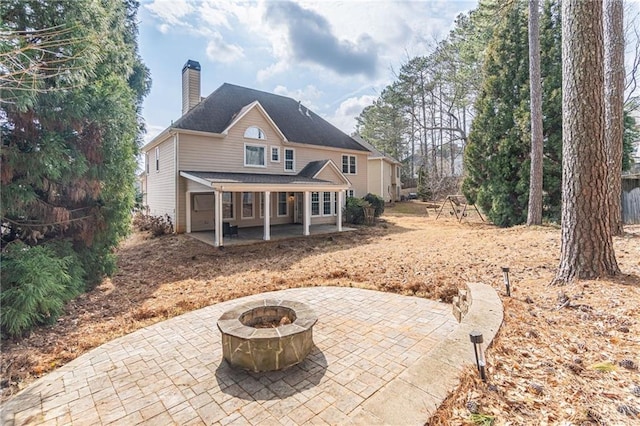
<point>267,335</point>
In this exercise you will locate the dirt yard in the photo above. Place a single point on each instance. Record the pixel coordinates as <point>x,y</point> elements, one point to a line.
<point>564,355</point>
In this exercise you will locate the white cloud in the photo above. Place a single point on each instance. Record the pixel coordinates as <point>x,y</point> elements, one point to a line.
<point>153,130</point>
<point>220,51</point>
<point>308,95</point>
<point>273,69</point>
<point>170,11</point>
<point>344,118</point>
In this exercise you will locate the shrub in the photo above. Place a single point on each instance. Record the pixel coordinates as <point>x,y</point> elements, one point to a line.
<point>36,282</point>
<point>354,210</point>
<point>376,202</point>
<point>158,225</point>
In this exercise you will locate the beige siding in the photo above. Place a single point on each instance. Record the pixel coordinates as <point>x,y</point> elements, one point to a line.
<point>161,184</point>
<point>375,177</point>
<point>382,178</point>
<point>201,153</point>
<point>387,170</point>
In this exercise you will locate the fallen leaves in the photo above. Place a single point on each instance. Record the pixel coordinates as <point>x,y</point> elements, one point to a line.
<point>538,365</point>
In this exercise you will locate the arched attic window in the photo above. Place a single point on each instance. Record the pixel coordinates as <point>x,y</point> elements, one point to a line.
<point>254,132</point>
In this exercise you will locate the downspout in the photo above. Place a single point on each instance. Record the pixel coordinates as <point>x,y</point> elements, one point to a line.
<point>382,192</point>
<point>176,141</point>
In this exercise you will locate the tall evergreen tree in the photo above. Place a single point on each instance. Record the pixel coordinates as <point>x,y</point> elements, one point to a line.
<point>497,155</point>
<point>551,73</point>
<point>69,145</point>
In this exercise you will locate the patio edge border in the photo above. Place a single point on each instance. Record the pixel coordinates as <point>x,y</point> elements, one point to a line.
<point>433,377</point>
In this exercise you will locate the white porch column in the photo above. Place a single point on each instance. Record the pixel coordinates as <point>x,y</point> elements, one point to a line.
<point>306,212</point>
<point>339,194</point>
<point>267,215</point>
<point>188,212</point>
<point>217,219</point>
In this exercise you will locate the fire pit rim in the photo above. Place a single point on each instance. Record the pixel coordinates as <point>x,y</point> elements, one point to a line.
<point>229,323</point>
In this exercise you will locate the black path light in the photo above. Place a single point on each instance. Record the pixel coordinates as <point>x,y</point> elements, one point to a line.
<point>477,340</point>
<point>505,276</point>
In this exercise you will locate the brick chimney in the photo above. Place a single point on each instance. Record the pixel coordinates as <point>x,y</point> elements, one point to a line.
<point>190,85</point>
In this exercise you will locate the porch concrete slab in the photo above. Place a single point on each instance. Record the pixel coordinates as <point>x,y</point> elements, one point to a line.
<point>255,234</point>
<point>379,358</point>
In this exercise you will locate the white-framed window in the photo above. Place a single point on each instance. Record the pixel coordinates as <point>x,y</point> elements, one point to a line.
<point>349,164</point>
<point>350,193</point>
<point>157,158</point>
<point>227,205</point>
<point>254,155</point>
<point>283,206</point>
<point>247,205</point>
<point>261,205</point>
<point>289,160</point>
<point>315,204</point>
<point>254,132</point>
<point>146,162</point>
<point>326,203</point>
<point>397,172</point>
<point>275,154</point>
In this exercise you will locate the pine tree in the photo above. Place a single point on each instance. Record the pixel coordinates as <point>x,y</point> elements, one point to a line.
<point>587,244</point>
<point>551,71</point>
<point>497,155</point>
<point>69,143</point>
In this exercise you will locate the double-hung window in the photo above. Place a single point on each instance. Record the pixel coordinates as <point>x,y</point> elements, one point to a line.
<point>247,205</point>
<point>146,162</point>
<point>227,205</point>
<point>282,204</point>
<point>349,164</point>
<point>157,159</point>
<point>254,155</point>
<point>326,203</point>
<point>275,154</point>
<point>289,160</point>
<point>315,204</point>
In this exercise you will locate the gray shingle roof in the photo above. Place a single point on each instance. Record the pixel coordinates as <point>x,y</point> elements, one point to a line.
<point>312,168</point>
<point>223,177</point>
<point>219,109</point>
<point>373,149</point>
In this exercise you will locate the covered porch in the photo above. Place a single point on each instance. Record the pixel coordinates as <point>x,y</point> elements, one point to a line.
<point>250,207</point>
<point>255,234</point>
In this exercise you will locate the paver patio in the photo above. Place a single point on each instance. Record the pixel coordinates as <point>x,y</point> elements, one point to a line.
<point>372,352</point>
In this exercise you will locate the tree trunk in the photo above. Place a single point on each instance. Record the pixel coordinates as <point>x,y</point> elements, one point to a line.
<point>587,246</point>
<point>534,214</point>
<point>614,105</point>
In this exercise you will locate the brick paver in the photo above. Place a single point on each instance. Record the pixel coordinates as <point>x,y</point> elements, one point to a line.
<point>173,372</point>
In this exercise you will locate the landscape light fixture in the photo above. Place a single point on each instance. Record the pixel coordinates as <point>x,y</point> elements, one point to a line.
<point>476,339</point>
<point>505,276</point>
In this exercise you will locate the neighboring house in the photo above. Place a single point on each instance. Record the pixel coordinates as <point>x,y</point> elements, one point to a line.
<point>383,173</point>
<point>250,158</point>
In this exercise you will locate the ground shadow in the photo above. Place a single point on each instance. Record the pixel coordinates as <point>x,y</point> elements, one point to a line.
<point>272,385</point>
<point>627,279</point>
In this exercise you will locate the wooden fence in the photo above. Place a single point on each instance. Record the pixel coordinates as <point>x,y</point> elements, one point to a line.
<point>630,200</point>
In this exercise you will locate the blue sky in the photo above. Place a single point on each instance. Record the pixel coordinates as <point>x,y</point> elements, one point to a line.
<point>334,56</point>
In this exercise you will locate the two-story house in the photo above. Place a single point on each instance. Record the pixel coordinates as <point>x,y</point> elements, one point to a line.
<point>249,158</point>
